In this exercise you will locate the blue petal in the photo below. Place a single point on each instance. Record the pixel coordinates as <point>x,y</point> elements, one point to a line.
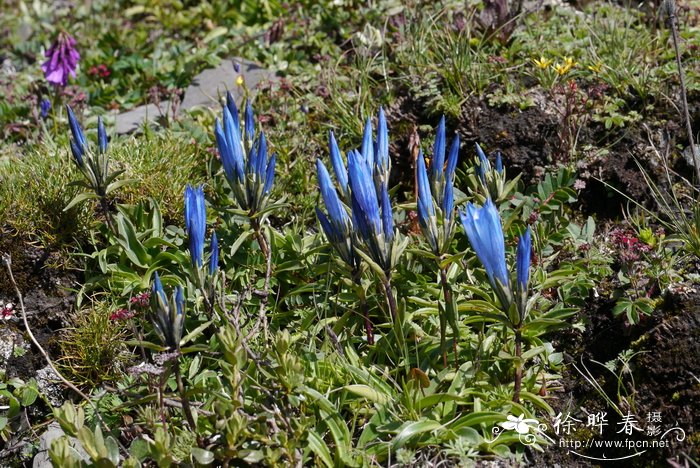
<point>262,157</point>
<point>485,233</point>
<point>484,165</point>
<point>158,288</point>
<point>78,136</point>
<point>231,105</point>
<point>367,149</point>
<point>438,162</point>
<point>452,159</point>
<point>387,215</point>
<point>195,222</point>
<point>522,265</point>
<point>270,174</point>
<point>77,154</point>
<point>214,256</point>
<point>101,136</point>
<point>425,199</point>
<point>341,173</point>
<point>179,300</point>
<point>499,163</point>
<point>364,195</point>
<point>330,196</point>
<point>382,150</point>
<point>225,152</point>
<point>249,121</point>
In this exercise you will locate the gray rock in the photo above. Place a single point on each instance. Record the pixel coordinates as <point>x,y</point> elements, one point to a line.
<point>53,432</point>
<point>206,90</point>
<point>210,85</point>
<point>49,384</point>
<point>134,119</point>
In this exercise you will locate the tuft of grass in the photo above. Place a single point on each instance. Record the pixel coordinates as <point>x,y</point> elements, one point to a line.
<point>93,350</point>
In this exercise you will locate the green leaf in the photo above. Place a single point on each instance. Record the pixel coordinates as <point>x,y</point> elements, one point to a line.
<point>80,198</point>
<point>214,33</point>
<point>201,456</point>
<point>413,429</point>
<point>319,447</point>
<point>368,392</point>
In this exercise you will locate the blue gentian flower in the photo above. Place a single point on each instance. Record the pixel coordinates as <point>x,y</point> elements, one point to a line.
<point>371,214</point>
<point>341,173</point>
<point>249,121</point>
<point>447,204</point>
<point>381,148</point>
<point>195,222</point>
<point>484,165</point>
<point>485,233</point>
<point>231,105</point>
<point>337,225</point>
<point>101,137</point>
<point>522,264</point>
<point>435,187</point>
<point>214,254</point>
<point>78,144</point>
<point>168,315</point>
<point>45,107</point>
<point>438,163</point>
<point>499,163</point>
<point>426,210</point>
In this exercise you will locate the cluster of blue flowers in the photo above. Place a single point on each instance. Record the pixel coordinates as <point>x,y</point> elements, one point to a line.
<point>436,188</point>
<point>247,168</point>
<point>364,188</point>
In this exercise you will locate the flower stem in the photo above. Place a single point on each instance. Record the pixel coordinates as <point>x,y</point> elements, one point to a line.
<point>391,300</point>
<point>183,396</point>
<point>265,248</point>
<point>449,306</point>
<point>518,365</point>
<point>357,279</point>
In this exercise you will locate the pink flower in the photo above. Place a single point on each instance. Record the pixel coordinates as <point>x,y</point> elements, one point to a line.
<point>62,60</point>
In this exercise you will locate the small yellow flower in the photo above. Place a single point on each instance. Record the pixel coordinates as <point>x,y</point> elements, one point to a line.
<point>239,80</point>
<point>569,62</point>
<point>596,67</point>
<point>542,63</point>
<point>565,67</point>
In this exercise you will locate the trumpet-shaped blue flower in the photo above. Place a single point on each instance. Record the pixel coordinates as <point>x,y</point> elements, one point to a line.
<point>522,264</point>
<point>233,110</point>
<point>499,162</point>
<point>485,233</point>
<point>195,222</point>
<point>44,108</point>
<point>371,213</point>
<point>78,144</point>
<point>381,147</point>
<point>484,165</point>
<point>214,254</point>
<point>249,121</point>
<point>341,173</point>
<point>426,210</point>
<point>250,177</point>
<point>337,225</point>
<point>447,204</point>
<point>168,314</point>
<point>101,136</point>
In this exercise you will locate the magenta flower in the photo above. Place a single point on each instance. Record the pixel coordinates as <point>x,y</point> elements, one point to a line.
<point>62,60</point>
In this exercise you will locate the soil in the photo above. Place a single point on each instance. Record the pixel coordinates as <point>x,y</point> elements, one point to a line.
<point>662,378</point>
